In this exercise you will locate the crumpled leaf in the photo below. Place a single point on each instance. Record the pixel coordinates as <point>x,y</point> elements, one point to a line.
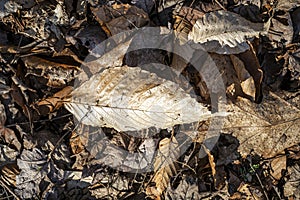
<point>287,5</point>
<point>225,32</point>
<point>187,189</point>
<point>146,5</point>
<point>54,102</point>
<point>130,99</point>
<point>72,189</point>
<point>117,185</point>
<point>7,154</point>
<point>291,69</point>
<point>163,5</point>
<point>31,164</point>
<point>91,36</point>
<point>281,29</point>
<point>8,134</point>
<point>164,166</point>
<point>55,74</point>
<point>185,20</point>
<point>7,7</point>
<point>120,17</point>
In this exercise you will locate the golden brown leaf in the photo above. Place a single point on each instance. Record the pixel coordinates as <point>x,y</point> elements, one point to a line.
<point>164,166</point>
<point>53,103</point>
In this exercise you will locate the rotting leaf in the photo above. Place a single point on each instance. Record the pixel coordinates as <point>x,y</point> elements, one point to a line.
<point>185,20</point>
<point>140,97</point>
<point>119,18</point>
<point>247,82</point>
<point>8,134</point>
<point>31,164</point>
<point>90,36</point>
<point>55,74</point>
<point>187,189</point>
<point>164,166</point>
<point>281,29</point>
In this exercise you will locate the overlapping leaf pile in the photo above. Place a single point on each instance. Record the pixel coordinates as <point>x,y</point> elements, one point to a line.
<point>126,112</point>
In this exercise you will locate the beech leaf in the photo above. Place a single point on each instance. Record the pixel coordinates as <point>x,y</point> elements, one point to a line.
<point>225,32</point>
<point>131,99</point>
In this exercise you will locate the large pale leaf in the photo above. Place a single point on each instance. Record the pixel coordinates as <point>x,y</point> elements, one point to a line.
<point>130,99</point>
<point>225,32</point>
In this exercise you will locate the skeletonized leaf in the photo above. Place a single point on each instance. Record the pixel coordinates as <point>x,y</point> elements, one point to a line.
<point>130,99</point>
<point>225,32</point>
<point>164,166</point>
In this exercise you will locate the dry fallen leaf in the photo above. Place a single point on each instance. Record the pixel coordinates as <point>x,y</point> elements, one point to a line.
<point>291,187</point>
<point>55,74</point>
<point>267,128</point>
<point>252,65</point>
<point>8,173</point>
<point>120,17</point>
<point>278,166</point>
<point>164,166</point>
<point>225,32</point>
<point>54,102</point>
<point>130,99</point>
<point>8,134</point>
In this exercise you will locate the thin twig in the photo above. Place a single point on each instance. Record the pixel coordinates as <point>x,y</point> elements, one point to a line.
<point>62,137</point>
<point>7,188</point>
<point>220,5</point>
<point>259,180</point>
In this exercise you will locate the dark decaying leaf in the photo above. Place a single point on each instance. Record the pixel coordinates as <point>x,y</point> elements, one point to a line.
<point>7,133</point>
<point>281,29</point>
<point>207,6</point>
<point>291,69</point>
<point>120,17</point>
<point>146,5</point>
<point>54,74</point>
<point>188,188</point>
<point>185,20</point>
<point>32,165</point>
<point>91,36</point>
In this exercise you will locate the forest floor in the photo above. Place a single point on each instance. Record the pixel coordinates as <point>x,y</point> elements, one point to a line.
<point>95,104</point>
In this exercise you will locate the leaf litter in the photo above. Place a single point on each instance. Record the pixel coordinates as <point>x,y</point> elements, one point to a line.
<point>47,154</point>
